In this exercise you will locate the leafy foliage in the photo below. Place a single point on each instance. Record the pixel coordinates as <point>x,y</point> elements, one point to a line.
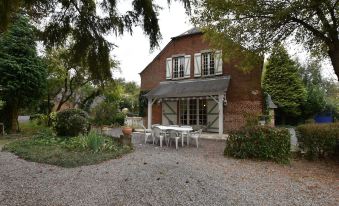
<point>77,151</point>
<point>283,82</point>
<point>22,73</point>
<point>71,122</point>
<point>319,140</point>
<point>259,24</point>
<point>260,142</point>
<point>106,113</point>
<point>87,22</point>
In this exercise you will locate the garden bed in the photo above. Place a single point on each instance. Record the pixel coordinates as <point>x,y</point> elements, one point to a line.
<point>72,152</point>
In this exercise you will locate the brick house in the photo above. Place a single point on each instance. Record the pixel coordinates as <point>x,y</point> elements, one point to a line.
<point>188,83</point>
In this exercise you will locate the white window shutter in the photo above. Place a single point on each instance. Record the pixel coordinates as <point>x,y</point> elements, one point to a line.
<point>187,66</point>
<point>197,64</point>
<point>218,62</point>
<point>169,68</point>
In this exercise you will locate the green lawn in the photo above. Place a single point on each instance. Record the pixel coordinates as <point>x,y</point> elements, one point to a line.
<point>65,152</point>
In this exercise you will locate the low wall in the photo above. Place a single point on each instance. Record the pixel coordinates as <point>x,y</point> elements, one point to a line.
<point>135,122</point>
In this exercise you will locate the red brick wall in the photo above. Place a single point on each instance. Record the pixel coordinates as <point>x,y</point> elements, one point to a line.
<point>244,92</point>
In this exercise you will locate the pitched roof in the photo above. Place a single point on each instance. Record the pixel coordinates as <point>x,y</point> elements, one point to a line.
<point>192,31</point>
<point>190,88</point>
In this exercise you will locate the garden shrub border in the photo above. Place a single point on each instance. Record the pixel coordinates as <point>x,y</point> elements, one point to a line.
<point>319,140</point>
<point>260,142</point>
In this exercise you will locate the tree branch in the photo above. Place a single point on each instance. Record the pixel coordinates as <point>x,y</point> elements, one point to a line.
<point>316,32</point>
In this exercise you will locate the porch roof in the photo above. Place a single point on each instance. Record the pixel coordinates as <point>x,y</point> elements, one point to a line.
<point>190,88</point>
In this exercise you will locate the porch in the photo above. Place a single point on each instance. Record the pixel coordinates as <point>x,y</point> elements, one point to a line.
<point>198,103</point>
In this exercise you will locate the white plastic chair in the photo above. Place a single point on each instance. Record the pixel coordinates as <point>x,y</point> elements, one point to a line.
<point>185,133</point>
<point>195,135</point>
<point>148,133</point>
<point>157,133</point>
<point>172,134</point>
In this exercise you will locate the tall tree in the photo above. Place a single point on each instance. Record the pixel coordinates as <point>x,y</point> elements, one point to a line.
<point>86,22</point>
<point>22,74</point>
<point>283,82</point>
<point>314,84</point>
<point>258,24</point>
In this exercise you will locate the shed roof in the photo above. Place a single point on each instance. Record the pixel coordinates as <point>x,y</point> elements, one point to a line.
<point>190,88</point>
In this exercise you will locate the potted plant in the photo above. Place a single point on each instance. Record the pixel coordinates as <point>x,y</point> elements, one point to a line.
<point>126,130</point>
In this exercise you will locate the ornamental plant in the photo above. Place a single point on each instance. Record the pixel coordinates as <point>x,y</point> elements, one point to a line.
<point>72,122</point>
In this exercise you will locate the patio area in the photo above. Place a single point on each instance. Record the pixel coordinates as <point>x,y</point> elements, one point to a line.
<point>164,176</point>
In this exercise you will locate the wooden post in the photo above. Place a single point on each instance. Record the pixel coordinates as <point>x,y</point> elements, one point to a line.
<point>221,114</point>
<point>149,113</point>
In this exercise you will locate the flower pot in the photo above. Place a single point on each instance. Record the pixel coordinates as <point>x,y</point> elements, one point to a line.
<point>127,130</point>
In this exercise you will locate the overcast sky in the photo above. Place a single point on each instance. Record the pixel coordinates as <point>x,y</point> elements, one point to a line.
<point>133,52</point>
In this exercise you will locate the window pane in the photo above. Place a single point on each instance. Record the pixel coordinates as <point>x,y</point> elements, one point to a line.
<point>205,64</point>
<point>175,68</point>
<point>193,111</point>
<point>202,112</point>
<point>211,64</point>
<point>183,112</point>
<point>181,66</point>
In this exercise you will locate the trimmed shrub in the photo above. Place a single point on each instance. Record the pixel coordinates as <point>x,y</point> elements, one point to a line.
<point>260,142</point>
<point>319,140</point>
<point>71,122</point>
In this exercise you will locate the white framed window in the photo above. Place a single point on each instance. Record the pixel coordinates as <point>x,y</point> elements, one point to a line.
<point>208,64</point>
<point>178,67</point>
<point>193,112</point>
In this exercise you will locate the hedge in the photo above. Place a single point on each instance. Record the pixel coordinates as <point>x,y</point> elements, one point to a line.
<point>319,140</point>
<point>260,142</point>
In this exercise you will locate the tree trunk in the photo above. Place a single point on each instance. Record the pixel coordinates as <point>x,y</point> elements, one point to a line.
<point>334,56</point>
<point>14,113</point>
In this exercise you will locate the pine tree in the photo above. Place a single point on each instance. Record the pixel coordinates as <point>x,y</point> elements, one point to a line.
<point>283,82</point>
<point>22,74</point>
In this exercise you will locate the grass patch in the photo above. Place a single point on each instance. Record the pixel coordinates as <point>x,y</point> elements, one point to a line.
<point>72,152</point>
<point>30,128</point>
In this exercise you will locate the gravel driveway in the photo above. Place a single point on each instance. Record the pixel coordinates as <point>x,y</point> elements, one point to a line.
<point>164,176</point>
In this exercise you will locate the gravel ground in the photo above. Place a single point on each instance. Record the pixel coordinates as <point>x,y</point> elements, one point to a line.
<point>164,176</point>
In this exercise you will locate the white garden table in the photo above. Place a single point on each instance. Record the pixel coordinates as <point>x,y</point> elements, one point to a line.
<point>182,130</point>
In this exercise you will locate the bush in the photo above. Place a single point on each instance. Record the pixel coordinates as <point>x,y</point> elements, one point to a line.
<point>119,118</point>
<point>71,122</point>
<point>261,142</point>
<point>319,140</point>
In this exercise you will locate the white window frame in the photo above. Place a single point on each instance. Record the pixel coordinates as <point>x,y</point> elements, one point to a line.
<point>188,114</point>
<point>180,61</point>
<point>210,62</point>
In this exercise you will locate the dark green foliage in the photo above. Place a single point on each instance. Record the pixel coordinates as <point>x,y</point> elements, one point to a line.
<point>22,73</point>
<point>259,24</point>
<point>71,122</point>
<point>119,118</point>
<point>319,140</point>
<point>106,113</point>
<point>83,22</point>
<point>259,142</point>
<point>142,103</point>
<point>77,151</point>
<point>283,82</point>
<point>316,92</point>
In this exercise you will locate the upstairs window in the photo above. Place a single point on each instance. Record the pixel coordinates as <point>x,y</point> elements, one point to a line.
<point>208,66</point>
<point>178,67</point>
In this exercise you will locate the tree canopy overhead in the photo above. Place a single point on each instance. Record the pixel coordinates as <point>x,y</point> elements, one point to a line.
<point>86,23</point>
<point>258,24</point>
